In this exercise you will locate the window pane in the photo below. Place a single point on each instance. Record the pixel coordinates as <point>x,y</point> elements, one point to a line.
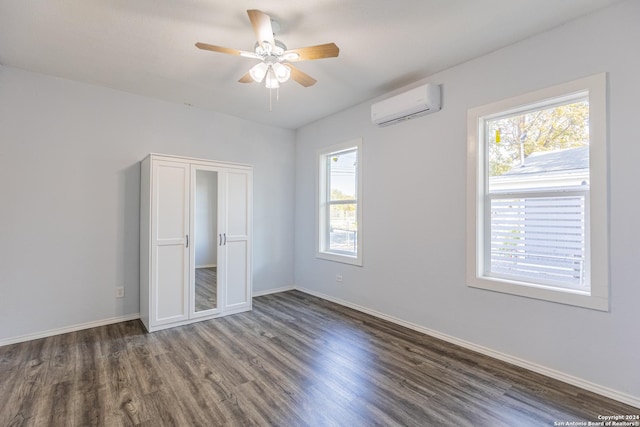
<point>544,148</point>
<point>343,227</point>
<point>539,239</point>
<point>339,180</point>
<point>342,175</point>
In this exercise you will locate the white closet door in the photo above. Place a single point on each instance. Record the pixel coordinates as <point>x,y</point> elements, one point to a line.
<point>170,228</point>
<point>238,244</point>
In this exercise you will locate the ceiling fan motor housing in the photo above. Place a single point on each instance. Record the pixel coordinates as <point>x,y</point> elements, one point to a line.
<point>277,50</point>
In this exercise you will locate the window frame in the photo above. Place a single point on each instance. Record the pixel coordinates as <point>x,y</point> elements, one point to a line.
<point>323,203</point>
<point>478,217</point>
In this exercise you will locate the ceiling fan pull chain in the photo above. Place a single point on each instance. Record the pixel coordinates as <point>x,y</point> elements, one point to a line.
<point>270,90</point>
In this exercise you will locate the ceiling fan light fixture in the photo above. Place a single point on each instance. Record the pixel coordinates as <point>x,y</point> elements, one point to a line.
<point>258,72</point>
<point>282,72</point>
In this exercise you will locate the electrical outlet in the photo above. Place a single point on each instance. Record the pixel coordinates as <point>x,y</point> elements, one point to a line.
<point>119,291</point>
<point>338,277</point>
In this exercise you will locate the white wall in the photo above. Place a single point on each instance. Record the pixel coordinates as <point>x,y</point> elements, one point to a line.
<point>206,218</point>
<point>69,195</point>
<point>414,209</point>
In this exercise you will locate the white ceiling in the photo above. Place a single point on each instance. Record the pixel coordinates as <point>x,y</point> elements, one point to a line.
<point>146,47</point>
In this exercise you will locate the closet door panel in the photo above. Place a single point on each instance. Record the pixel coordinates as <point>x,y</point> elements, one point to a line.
<point>237,242</point>
<point>237,204</point>
<point>170,271</point>
<point>237,270</point>
<point>171,195</point>
<point>170,217</point>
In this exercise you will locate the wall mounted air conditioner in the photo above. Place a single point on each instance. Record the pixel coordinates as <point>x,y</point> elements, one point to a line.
<point>413,103</point>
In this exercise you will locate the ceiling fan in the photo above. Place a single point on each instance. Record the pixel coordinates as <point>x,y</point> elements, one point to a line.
<point>275,66</point>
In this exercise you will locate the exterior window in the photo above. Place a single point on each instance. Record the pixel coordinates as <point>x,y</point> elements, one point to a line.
<point>339,216</point>
<point>537,195</point>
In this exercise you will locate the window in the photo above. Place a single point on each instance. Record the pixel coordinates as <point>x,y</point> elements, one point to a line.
<point>537,202</point>
<point>340,202</point>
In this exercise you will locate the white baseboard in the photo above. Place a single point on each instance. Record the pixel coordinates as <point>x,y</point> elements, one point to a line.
<point>58,331</point>
<point>207,266</point>
<point>543,370</point>
<point>273,291</point>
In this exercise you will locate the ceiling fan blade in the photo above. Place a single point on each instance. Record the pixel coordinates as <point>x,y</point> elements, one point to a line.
<point>303,78</point>
<point>327,50</point>
<point>228,50</point>
<point>246,78</point>
<point>261,23</point>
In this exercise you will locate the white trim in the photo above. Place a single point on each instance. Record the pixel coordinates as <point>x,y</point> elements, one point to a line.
<point>195,160</point>
<point>540,369</point>
<point>321,220</point>
<point>273,291</point>
<point>67,329</point>
<point>207,266</point>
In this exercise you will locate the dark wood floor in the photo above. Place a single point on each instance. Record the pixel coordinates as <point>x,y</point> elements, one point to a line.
<point>206,288</point>
<point>294,360</point>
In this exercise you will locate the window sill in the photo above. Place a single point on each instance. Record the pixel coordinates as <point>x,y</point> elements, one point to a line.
<point>561,296</point>
<point>336,257</point>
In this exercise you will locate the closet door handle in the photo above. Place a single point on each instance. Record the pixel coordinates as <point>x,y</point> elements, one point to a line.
<point>220,244</point>
<point>187,236</point>
<point>225,239</point>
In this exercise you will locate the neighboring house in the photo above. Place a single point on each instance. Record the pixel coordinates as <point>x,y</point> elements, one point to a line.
<point>560,168</point>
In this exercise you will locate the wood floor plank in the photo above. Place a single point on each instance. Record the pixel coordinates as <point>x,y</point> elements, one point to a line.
<point>225,359</point>
<point>56,405</point>
<point>24,400</point>
<point>90,390</point>
<point>258,399</point>
<point>186,397</point>
<point>295,360</point>
<point>165,409</point>
<point>124,405</point>
<point>12,360</point>
<point>62,360</point>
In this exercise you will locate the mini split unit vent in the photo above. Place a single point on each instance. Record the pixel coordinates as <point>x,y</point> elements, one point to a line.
<point>413,103</point>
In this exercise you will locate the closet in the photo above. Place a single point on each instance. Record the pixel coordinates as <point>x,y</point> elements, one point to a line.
<point>195,240</point>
